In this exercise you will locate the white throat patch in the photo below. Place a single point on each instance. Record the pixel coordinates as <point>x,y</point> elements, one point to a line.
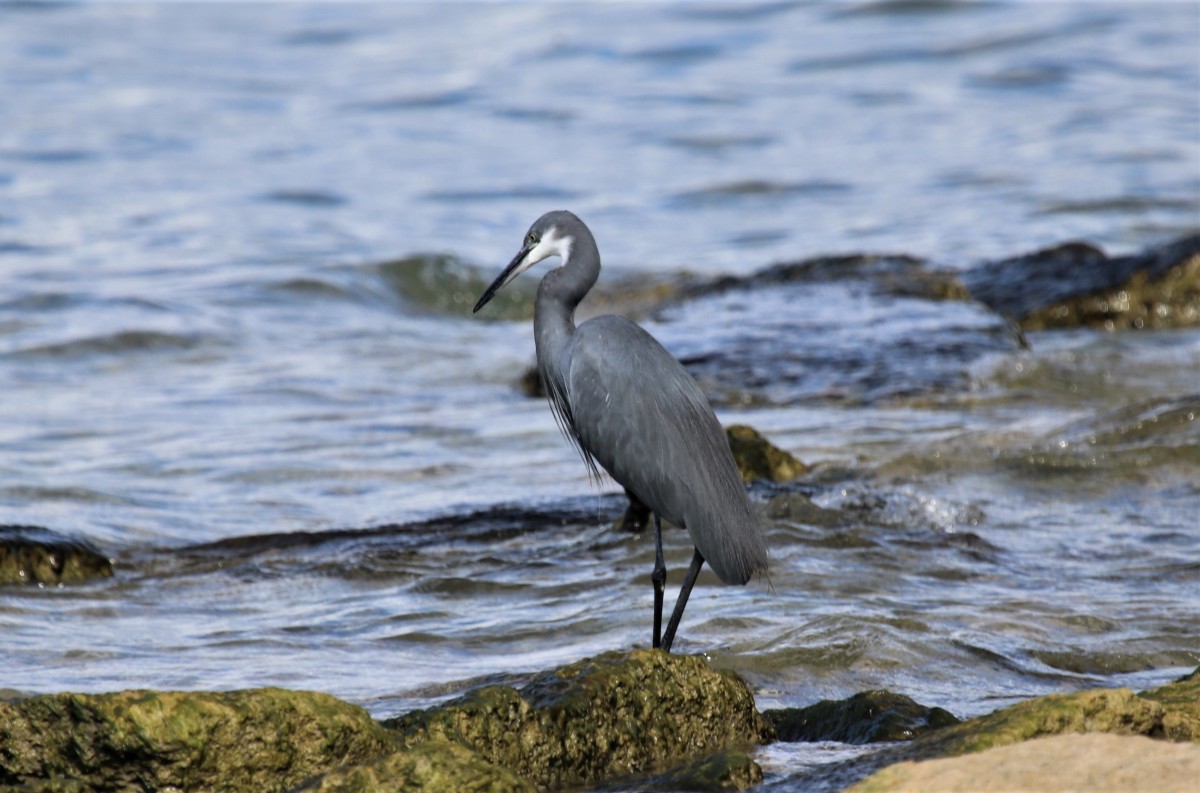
<point>551,245</point>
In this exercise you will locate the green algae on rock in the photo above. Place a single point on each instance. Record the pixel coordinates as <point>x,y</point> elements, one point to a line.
<point>1181,705</point>
<point>758,458</point>
<point>617,714</point>
<point>261,739</point>
<point>866,717</point>
<point>35,555</point>
<point>429,766</point>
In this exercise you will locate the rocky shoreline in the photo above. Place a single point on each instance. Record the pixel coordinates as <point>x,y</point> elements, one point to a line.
<point>636,719</point>
<point>639,719</point>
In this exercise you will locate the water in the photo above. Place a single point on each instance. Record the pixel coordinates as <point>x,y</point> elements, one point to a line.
<point>239,245</point>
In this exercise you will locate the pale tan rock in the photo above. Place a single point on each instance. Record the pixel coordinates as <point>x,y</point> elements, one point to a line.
<point>1096,763</point>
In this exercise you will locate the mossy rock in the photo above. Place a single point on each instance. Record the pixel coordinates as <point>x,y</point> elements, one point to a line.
<point>618,714</point>
<point>1171,711</point>
<point>1181,703</point>
<point>433,766</point>
<point>35,555</point>
<point>262,739</point>
<point>757,458</point>
<point>57,785</point>
<point>866,717</point>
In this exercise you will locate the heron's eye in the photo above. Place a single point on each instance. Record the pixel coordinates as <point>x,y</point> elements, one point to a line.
<point>532,238</point>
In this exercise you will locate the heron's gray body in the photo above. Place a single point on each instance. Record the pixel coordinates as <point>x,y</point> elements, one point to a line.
<point>628,405</point>
<point>645,421</point>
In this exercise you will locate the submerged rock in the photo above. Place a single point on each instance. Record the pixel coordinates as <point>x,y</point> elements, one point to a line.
<point>1096,763</point>
<point>430,766</point>
<point>261,739</point>
<point>758,458</point>
<point>615,715</point>
<point>866,717</point>
<point>1077,284</point>
<point>34,555</point>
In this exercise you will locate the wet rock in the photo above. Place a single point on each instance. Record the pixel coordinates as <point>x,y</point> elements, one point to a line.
<point>34,555</point>
<point>1096,763</point>
<point>758,458</point>
<point>262,739</point>
<point>531,384</point>
<point>866,717</point>
<point>1118,711</point>
<point>1077,284</point>
<point>799,508</point>
<point>433,766</point>
<point>891,274</point>
<point>732,769</point>
<point>615,715</point>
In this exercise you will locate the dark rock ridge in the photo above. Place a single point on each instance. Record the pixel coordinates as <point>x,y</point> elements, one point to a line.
<point>35,555</point>
<point>1077,284</point>
<point>866,717</point>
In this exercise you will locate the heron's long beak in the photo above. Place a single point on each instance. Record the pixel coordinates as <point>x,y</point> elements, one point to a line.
<point>518,265</point>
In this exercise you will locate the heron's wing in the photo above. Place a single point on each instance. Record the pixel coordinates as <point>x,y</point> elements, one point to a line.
<point>564,417</point>
<point>642,416</point>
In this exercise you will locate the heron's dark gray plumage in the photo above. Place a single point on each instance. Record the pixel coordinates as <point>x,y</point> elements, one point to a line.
<point>630,408</point>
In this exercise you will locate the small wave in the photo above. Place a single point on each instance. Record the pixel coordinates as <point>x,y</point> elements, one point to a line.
<point>1117,205</point>
<point>531,193</point>
<point>719,142</point>
<point>421,101</point>
<point>728,192</point>
<point>308,198</point>
<point>129,341</point>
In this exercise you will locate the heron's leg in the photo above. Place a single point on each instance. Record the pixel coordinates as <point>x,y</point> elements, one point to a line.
<point>659,578</point>
<point>684,591</point>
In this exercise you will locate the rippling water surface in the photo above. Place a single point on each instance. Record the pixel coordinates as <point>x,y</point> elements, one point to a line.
<point>239,246</point>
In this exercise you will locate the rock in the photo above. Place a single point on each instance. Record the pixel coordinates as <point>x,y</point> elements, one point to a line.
<point>1181,703</point>
<point>866,717</point>
<point>261,739</point>
<point>48,786</point>
<point>1077,284</point>
<point>433,766</point>
<point>35,555</point>
<point>800,508</point>
<point>1118,711</point>
<point>732,769</point>
<point>1095,763</point>
<point>757,458</point>
<point>614,715</point>
<point>891,274</point>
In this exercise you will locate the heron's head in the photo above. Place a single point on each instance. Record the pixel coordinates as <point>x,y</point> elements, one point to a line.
<point>552,234</point>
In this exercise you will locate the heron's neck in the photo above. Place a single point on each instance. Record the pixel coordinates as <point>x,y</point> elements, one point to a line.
<point>560,292</point>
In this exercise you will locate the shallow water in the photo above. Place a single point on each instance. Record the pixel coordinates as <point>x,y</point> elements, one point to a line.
<point>240,243</point>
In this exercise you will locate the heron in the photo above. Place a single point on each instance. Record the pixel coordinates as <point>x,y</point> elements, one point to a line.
<point>629,407</point>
